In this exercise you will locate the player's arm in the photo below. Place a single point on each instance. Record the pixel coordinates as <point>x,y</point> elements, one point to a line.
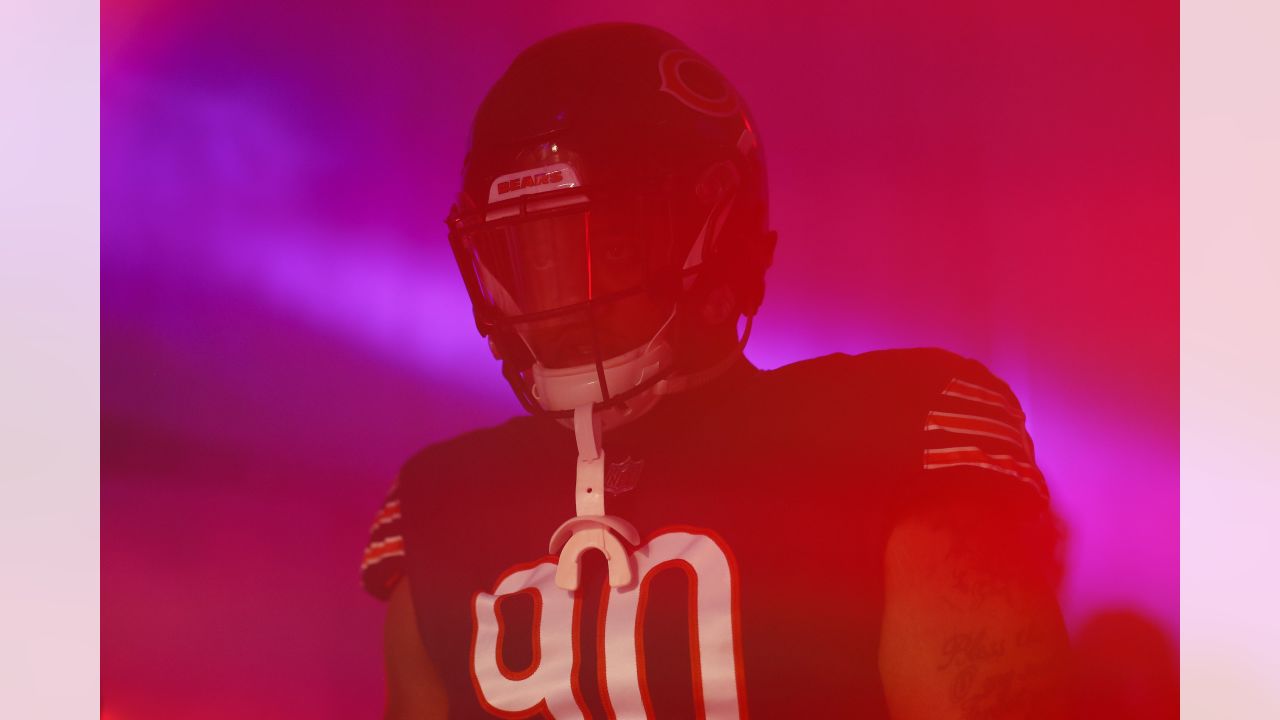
<point>414,688</point>
<point>972,627</point>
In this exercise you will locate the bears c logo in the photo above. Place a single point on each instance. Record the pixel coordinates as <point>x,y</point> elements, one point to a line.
<point>689,79</point>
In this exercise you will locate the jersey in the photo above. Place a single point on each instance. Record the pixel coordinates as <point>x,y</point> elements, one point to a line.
<point>764,500</point>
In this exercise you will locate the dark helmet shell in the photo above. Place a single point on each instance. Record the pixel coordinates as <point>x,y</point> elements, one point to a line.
<point>635,113</point>
<point>629,106</point>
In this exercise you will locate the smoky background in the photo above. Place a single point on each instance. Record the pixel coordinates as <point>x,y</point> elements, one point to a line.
<point>283,324</point>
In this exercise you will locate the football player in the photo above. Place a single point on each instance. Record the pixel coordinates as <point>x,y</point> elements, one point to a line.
<point>671,532</point>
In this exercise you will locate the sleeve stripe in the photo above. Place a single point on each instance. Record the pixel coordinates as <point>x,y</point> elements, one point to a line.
<point>938,458</point>
<point>383,562</point>
<point>969,453</point>
<point>958,388</point>
<point>381,550</point>
<point>974,425</point>
<point>387,515</point>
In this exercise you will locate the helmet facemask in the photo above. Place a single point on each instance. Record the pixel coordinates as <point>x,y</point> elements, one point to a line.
<point>577,289</point>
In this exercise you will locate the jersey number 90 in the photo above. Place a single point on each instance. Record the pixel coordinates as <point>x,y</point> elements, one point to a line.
<point>550,684</point>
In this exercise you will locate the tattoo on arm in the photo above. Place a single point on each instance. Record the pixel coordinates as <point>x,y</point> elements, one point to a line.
<point>972,587</point>
<point>997,671</point>
<point>974,629</point>
<point>998,677</point>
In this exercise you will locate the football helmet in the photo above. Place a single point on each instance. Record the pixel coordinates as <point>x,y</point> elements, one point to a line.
<point>613,178</point>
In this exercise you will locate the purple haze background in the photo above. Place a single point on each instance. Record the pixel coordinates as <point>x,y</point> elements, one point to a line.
<point>282,324</point>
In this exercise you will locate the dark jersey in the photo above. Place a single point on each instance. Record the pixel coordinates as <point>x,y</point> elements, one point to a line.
<point>764,501</point>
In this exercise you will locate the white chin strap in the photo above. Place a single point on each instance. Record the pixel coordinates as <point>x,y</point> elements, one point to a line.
<point>578,388</point>
<point>591,528</point>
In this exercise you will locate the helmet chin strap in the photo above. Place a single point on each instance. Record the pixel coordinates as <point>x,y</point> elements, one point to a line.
<point>592,528</point>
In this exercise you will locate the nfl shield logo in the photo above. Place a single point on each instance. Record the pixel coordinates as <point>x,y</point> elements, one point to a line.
<point>621,477</point>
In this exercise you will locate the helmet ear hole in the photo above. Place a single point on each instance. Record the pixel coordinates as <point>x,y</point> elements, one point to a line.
<point>717,181</point>
<point>720,303</point>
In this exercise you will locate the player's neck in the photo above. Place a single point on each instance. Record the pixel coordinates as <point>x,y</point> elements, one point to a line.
<point>694,398</point>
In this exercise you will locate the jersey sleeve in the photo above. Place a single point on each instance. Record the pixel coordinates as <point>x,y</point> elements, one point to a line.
<point>975,423</point>
<point>977,475</point>
<point>383,563</point>
<point>972,443</point>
